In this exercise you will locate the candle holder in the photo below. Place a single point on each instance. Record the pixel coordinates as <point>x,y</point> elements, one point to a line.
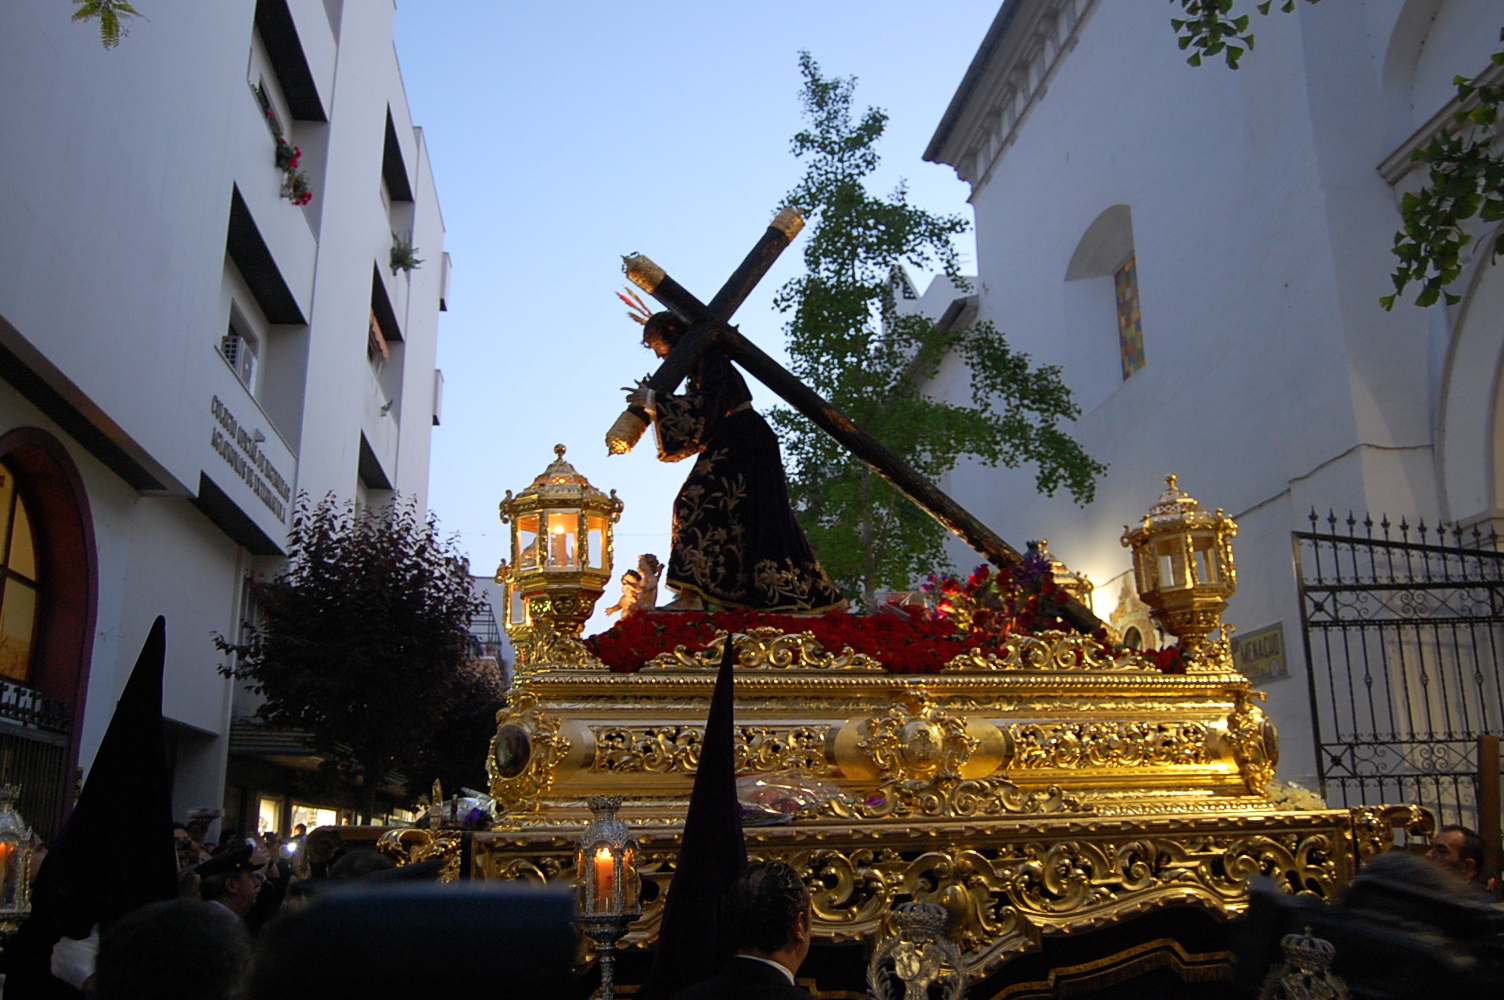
<point>15,863</point>
<point>606,884</point>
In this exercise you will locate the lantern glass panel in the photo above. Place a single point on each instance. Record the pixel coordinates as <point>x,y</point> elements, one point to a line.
<point>563,539</point>
<point>1170,560</point>
<point>595,540</point>
<point>527,542</point>
<point>1204,553</point>
<point>10,873</point>
<point>518,606</point>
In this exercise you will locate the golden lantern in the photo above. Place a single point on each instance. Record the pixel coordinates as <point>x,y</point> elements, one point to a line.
<point>1182,564</point>
<point>561,529</point>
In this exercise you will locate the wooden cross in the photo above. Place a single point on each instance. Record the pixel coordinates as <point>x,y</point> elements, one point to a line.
<point>708,325</point>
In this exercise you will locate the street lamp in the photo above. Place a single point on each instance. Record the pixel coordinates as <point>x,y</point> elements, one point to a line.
<point>606,883</point>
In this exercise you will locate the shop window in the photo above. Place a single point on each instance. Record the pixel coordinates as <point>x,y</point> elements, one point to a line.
<point>19,583</point>
<point>1130,323</point>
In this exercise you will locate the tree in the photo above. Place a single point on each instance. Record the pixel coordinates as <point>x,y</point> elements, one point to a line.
<point>362,638</point>
<point>1464,175</point>
<point>111,15</point>
<point>848,340</point>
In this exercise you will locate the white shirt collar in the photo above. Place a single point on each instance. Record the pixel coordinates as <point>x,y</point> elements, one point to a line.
<point>768,961</point>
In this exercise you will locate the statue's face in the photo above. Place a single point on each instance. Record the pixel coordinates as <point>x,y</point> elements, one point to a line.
<point>657,345</point>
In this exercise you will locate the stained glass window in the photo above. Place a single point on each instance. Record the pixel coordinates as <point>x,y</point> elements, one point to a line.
<point>19,579</point>
<point>1130,324</point>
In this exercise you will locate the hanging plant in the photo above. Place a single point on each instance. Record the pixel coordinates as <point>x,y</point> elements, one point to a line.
<point>288,155</point>
<point>404,255</point>
<point>295,187</point>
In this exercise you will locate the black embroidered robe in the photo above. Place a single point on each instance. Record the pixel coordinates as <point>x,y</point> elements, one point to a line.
<point>736,542</point>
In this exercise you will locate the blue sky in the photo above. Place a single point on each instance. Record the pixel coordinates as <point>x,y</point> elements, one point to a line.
<point>564,135</point>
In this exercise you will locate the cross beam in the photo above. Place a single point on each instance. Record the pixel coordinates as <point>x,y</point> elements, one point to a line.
<point>707,326</point>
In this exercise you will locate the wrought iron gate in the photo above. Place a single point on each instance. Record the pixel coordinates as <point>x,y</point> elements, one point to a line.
<point>1403,631</point>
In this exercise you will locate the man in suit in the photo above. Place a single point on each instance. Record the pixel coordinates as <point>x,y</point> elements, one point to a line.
<point>766,914</point>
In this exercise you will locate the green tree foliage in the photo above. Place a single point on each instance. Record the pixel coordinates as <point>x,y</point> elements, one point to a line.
<point>848,341</point>
<point>1210,28</point>
<point>111,15</point>
<point>363,639</point>
<point>1464,175</point>
<point>1464,179</point>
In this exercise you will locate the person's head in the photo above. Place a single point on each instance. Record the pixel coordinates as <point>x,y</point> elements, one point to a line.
<point>766,912</point>
<point>172,950</point>
<point>1458,848</point>
<point>300,830</point>
<point>188,884</point>
<point>230,879</point>
<point>661,332</point>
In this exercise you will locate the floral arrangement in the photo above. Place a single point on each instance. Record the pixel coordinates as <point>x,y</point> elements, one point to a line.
<point>295,186</point>
<point>978,613</point>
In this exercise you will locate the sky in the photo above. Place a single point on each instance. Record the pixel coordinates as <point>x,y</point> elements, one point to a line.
<point>567,134</point>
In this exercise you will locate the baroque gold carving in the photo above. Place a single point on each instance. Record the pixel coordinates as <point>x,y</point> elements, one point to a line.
<point>525,751</point>
<point>1374,826</point>
<point>416,844</point>
<point>950,796</point>
<point>765,647</point>
<point>676,749</point>
<point>1007,889</point>
<point>1050,651</point>
<point>1255,742</point>
<point>916,738</point>
<point>1109,744</point>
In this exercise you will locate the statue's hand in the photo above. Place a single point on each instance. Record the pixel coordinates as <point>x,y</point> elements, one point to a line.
<point>637,395</point>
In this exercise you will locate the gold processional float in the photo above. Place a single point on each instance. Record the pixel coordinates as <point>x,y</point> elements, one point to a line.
<point>1051,786</point>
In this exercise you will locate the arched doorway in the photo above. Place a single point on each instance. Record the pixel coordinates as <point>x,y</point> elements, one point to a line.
<point>48,605</point>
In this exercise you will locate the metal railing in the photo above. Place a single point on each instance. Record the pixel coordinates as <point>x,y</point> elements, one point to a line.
<point>1403,629</point>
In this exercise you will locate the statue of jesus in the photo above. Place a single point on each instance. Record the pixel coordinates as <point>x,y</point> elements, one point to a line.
<point>736,542</point>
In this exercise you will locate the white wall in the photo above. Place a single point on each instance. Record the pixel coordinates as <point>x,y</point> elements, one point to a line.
<point>1261,225</point>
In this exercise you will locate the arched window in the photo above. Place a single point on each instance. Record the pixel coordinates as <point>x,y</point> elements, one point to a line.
<point>1101,299</point>
<point>20,580</point>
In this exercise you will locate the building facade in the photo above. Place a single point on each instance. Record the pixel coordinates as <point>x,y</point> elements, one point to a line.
<point>202,315</point>
<point>1203,252</point>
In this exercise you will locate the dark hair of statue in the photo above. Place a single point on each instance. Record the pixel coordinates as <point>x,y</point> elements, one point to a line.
<point>762,905</point>
<point>666,326</point>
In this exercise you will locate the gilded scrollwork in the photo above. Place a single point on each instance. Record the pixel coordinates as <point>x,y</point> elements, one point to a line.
<point>915,738</point>
<point>1374,826</point>
<point>765,647</point>
<point>676,749</point>
<point>949,796</point>
<point>1050,651</point>
<point>526,750</point>
<point>413,845</point>
<point>1254,740</point>
<point>1109,744</point>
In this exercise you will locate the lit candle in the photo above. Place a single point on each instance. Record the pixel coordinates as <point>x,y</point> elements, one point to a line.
<point>603,866</point>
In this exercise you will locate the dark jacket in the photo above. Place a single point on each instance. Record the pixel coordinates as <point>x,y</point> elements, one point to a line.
<point>745,979</point>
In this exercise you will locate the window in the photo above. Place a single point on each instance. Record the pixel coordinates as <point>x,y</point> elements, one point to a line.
<point>19,581</point>
<point>240,349</point>
<point>1130,324</point>
<point>377,350</point>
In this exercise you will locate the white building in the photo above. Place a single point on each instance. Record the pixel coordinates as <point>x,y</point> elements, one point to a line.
<point>1244,221</point>
<point>184,348</point>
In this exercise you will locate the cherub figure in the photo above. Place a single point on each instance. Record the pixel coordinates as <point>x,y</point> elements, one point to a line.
<point>631,592</point>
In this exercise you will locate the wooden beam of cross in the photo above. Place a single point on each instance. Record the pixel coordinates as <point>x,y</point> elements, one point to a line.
<point>707,326</point>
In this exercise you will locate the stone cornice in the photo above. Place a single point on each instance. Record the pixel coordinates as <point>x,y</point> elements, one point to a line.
<point>1010,72</point>
<point>1400,162</point>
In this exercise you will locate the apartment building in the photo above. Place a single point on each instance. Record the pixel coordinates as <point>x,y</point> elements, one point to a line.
<point>221,268</point>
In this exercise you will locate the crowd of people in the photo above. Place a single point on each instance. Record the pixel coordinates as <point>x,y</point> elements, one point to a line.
<point>234,891</point>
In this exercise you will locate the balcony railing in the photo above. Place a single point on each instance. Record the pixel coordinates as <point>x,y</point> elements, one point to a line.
<point>27,707</point>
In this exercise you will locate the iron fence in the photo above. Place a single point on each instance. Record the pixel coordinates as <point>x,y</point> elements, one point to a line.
<point>1403,630</point>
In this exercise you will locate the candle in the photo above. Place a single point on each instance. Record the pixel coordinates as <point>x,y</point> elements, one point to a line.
<point>603,871</point>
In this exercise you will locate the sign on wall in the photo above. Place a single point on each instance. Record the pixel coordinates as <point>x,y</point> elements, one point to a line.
<point>1260,655</point>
